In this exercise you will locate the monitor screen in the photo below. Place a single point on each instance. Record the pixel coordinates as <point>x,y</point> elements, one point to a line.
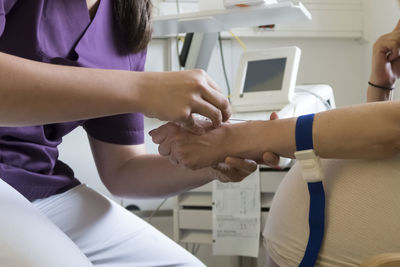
<point>264,75</point>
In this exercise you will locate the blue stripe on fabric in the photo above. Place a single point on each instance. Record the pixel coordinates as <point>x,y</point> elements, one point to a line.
<point>316,220</point>
<point>304,140</point>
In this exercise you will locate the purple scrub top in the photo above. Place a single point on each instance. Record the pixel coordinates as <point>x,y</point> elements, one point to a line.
<point>61,32</point>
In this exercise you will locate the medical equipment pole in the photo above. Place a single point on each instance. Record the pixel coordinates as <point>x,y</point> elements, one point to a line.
<point>200,50</point>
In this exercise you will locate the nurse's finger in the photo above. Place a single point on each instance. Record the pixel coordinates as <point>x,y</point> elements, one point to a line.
<point>230,174</point>
<point>204,123</point>
<point>208,110</point>
<point>219,101</point>
<point>271,159</point>
<point>273,116</point>
<point>245,165</point>
<point>192,125</point>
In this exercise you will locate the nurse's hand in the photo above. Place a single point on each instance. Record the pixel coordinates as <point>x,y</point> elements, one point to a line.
<point>386,59</point>
<point>233,169</point>
<point>176,96</point>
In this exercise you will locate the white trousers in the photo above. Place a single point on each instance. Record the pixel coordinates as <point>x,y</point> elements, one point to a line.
<point>362,213</point>
<point>80,228</point>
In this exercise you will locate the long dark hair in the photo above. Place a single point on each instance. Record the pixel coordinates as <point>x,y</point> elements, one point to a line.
<point>133,18</point>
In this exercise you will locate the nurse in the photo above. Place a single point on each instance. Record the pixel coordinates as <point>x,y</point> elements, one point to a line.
<point>65,64</point>
<point>362,196</point>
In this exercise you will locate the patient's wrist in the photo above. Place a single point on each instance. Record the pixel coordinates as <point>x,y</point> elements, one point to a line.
<point>246,139</point>
<point>229,141</point>
<point>253,138</point>
<point>221,141</point>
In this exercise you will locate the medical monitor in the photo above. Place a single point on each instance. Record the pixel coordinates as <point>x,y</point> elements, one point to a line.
<point>266,79</point>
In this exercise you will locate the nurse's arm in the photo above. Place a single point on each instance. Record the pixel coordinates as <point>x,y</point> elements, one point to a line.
<point>34,93</point>
<point>365,131</point>
<point>127,171</point>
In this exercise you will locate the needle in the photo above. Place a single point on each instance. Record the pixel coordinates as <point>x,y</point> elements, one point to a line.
<point>233,119</point>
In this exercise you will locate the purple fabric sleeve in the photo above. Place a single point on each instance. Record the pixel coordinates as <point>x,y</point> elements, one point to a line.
<point>5,7</point>
<point>125,129</point>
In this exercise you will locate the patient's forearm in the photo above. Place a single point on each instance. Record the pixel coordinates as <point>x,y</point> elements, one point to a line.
<point>251,139</point>
<point>365,131</point>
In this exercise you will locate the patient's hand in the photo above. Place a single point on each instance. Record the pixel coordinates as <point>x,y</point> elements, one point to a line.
<point>241,140</point>
<point>190,150</point>
<point>178,144</point>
